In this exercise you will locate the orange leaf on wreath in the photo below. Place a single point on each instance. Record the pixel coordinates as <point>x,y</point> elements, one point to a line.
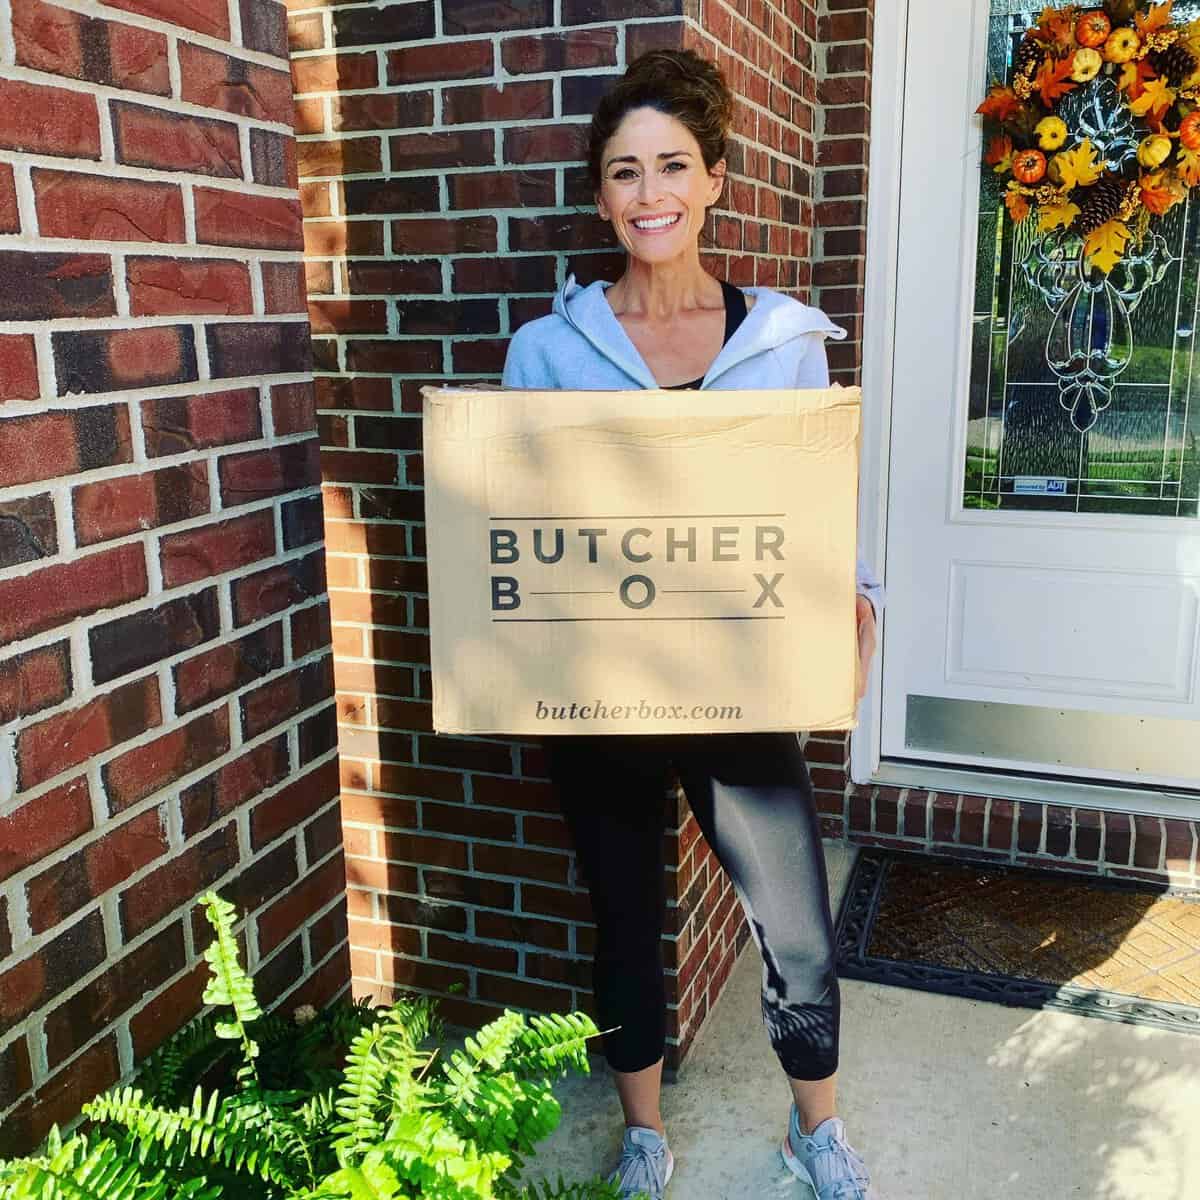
<point>999,154</point>
<point>1134,77</point>
<point>1054,80</point>
<point>1001,105</point>
<point>1155,19</point>
<point>1058,24</point>
<point>1017,205</point>
<point>1189,166</point>
<point>1155,101</point>
<point>1159,194</point>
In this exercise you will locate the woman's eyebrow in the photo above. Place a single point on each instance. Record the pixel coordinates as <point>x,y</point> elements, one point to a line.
<point>633,158</point>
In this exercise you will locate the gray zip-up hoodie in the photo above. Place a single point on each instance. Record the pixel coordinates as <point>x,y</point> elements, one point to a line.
<point>581,346</point>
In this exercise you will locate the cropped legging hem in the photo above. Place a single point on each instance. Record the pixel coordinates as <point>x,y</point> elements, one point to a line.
<point>752,798</point>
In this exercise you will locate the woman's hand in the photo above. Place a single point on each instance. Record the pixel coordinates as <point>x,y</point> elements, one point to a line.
<point>866,643</point>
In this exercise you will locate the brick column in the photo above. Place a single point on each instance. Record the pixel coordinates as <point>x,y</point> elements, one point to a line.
<point>445,199</point>
<point>166,715</point>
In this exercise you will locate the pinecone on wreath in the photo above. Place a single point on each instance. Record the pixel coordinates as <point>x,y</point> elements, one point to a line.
<point>1028,59</point>
<point>1175,63</point>
<point>1101,204</point>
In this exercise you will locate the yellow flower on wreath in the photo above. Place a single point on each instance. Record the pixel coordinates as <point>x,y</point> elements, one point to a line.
<point>1122,46</point>
<point>1051,132</point>
<point>1088,64</point>
<point>1154,151</point>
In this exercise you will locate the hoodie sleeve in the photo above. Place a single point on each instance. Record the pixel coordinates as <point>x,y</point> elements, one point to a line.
<point>525,365</point>
<point>814,373</point>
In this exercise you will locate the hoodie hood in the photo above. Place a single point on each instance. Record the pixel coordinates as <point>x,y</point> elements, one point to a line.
<point>773,322</point>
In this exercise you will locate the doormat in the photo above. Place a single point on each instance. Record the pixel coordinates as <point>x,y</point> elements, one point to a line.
<point>1023,938</point>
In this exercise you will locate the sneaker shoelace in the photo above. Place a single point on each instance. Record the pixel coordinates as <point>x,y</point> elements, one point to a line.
<point>848,1169</point>
<point>641,1170</point>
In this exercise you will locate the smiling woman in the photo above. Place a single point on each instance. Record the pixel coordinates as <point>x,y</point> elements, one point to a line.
<point>657,163</point>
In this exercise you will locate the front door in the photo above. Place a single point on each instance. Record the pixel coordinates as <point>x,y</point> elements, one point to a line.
<point>1043,540</point>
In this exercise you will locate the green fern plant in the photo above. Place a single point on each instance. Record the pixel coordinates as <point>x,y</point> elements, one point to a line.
<point>357,1104</point>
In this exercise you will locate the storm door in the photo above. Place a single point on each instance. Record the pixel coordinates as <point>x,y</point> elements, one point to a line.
<point>1044,507</point>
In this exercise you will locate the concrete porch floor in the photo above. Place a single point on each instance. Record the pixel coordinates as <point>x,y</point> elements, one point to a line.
<point>946,1099</point>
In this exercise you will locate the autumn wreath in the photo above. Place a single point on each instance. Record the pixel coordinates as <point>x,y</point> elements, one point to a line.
<point>1151,68</point>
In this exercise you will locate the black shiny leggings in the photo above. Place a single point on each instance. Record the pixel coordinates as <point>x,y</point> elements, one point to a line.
<point>753,800</point>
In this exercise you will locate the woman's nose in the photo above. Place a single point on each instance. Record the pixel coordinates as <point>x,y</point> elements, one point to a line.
<point>650,189</point>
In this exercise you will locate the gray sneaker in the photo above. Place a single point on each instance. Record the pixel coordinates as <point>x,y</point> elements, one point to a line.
<point>646,1164</point>
<point>825,1161</point>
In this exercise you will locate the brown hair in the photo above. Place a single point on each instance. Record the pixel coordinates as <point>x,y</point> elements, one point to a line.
<point>679,83</point>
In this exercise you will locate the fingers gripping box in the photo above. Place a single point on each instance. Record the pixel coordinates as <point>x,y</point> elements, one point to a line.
<point>641,562</point>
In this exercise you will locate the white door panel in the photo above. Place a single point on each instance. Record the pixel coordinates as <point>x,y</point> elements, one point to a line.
<point>1043,552</point>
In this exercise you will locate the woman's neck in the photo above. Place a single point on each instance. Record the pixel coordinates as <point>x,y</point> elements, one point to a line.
<point>660,291</point>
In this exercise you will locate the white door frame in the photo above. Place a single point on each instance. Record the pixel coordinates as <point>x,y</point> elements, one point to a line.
<point>889,56</point>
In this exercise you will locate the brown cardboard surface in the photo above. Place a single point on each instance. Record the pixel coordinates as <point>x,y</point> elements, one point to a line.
<point>742,617</point>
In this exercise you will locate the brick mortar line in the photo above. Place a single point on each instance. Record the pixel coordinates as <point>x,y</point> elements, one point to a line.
<point>8,49</point>
<point>18,491</point>
<point>431,767</point>
<point>152,599</point>
<point>75,401</point>
<point>467,838</point>
<point>235,23</point>
<point>439,88</point>
<point>85,624</point>
<point>178,252</point>
<point>166,797</point>
<point>98,762</point>
<point>95,691</point>
<point>496,37</point>
<point>123,324</point>
<point>170,105</point>
<point>97,9</point>
<point>174,70</point>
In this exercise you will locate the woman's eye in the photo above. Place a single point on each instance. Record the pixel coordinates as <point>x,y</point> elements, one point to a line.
<point>676,166</point>
<point>626,173</point>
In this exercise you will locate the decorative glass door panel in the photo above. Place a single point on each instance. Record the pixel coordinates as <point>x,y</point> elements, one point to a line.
<point>1081,388</point>
<point>1045,618</point>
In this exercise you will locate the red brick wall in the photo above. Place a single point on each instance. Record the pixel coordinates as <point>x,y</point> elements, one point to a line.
<point>445,198</point>
<point>166,716</point>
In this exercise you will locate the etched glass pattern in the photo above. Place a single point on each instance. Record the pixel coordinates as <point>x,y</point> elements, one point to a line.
<point>1081,389</point>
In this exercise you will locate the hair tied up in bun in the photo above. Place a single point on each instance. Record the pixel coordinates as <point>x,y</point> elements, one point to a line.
<point>679,83</point>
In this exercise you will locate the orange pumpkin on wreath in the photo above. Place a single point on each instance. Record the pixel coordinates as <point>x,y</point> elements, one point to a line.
<point>1093,30</point>
<point>1029,166</point>
<point>1189,130</point>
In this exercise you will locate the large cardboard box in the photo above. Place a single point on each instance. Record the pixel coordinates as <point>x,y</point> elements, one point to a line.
<point>641,562</point>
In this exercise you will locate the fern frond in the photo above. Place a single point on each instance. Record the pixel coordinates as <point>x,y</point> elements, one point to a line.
<point>423,1150</point>
<point>361,1093</point>
<point>464,1070</point>
<point>230,986</point>
<point>75,1170</point>
<point>215,1132</point>
<point>552,1043</point>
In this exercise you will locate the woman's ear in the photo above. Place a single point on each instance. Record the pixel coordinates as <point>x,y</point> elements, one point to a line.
<point>602,208</point>
<point>717,176</point>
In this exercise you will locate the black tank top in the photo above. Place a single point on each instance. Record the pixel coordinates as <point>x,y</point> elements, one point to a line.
<point>735,314</point>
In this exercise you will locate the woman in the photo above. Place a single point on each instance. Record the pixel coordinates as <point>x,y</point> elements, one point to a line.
<point>657,161</point>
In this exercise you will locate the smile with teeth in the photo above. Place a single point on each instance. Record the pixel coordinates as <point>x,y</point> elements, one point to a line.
<point>652,223</point>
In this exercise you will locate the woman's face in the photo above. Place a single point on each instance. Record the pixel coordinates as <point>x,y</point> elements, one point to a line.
<point>654,186</point>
